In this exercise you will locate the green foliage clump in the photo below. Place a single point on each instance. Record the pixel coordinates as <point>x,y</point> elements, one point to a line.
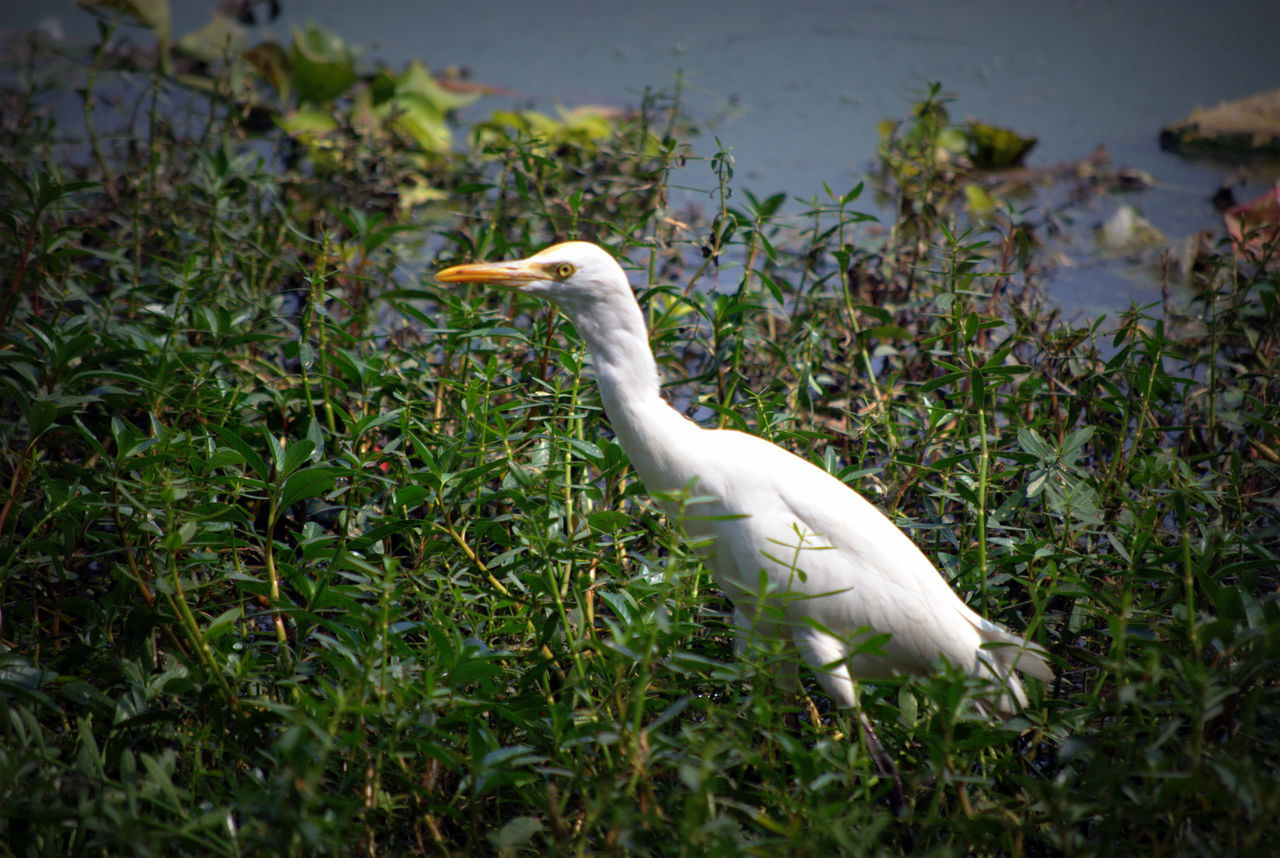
<point>304,555</point>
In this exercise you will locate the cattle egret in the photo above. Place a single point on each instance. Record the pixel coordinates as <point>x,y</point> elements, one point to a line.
<point>804,558</point>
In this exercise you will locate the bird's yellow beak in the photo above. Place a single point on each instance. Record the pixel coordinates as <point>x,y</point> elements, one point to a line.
<point>516,273</point>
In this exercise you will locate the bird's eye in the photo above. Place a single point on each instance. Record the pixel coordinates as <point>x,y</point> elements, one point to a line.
<point>564,270</point>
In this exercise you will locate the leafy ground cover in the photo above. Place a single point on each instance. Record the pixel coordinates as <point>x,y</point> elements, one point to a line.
<point>303,554</point>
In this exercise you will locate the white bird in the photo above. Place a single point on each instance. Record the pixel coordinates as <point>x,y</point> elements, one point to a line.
<point>836,571</point>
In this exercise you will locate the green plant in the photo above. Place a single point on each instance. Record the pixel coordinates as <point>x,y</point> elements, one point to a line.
<point>302,553</point>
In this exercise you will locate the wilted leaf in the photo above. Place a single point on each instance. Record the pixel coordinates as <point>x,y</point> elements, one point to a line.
<point>994,148</point>
<point>220,37</point>
<point>150,13</point>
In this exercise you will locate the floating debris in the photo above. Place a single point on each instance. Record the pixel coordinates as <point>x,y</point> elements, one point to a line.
<point>1128,230</point>
<point>1255,225</point>
<point>1243,127</point>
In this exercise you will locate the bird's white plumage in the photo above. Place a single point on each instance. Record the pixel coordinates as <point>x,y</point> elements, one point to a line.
<point>837,571</point>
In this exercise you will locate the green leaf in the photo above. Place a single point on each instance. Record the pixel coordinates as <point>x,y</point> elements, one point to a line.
<point>517,832</point>
<point>587,450</point>
<point>183,535</point>
<point>308,122</point>
<point>323,67</point>
<point>409,497</point>
<point>17,179</point>
<point>250,455</point>
<point>222,623</point>
<point>315,434</point>
<point>305,484</point>
<point>1030,440</point>
<point>1075,441</point>
<point>608,520</point>
<point>277,455</point>
<point>941,381</point>
<point>296,456</point>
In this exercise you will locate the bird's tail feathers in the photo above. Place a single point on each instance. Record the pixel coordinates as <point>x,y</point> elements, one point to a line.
<point>1003,654</point>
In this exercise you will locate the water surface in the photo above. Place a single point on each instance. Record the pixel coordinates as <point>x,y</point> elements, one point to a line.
<point>797,89</point>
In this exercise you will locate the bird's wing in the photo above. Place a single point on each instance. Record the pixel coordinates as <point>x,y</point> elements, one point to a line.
<point>862,571</point>
<point>832,514</point>
<point>904,592</point>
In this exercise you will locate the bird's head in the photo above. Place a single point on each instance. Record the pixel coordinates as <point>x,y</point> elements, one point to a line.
<point>589,287</point>
<point>575,275</point>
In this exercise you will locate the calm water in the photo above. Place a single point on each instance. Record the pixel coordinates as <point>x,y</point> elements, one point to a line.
<point>797,92</point>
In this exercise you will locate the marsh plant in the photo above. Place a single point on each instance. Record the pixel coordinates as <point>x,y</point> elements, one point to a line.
<point>304,554</point>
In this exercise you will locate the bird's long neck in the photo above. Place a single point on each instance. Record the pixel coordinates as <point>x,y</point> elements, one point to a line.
<point>628,379</point>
